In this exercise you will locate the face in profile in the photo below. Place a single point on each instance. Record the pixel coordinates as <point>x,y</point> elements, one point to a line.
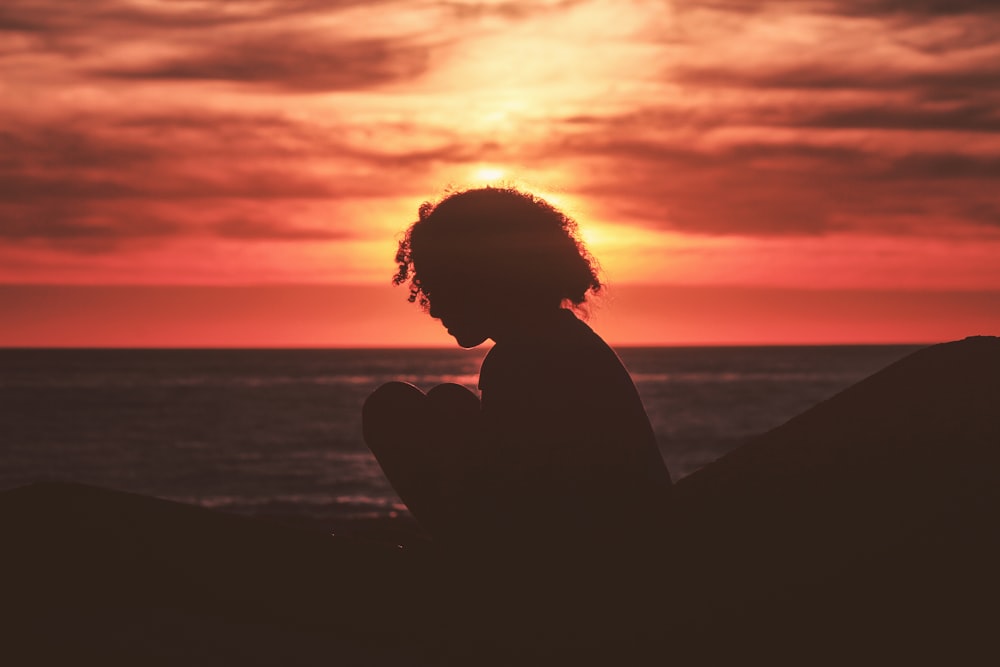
<point>461,311</point>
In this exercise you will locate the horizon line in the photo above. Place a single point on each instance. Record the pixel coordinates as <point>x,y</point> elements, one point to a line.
<point>317,348</point>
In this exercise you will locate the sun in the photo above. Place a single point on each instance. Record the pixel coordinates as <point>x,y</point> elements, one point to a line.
<point>488,174</point>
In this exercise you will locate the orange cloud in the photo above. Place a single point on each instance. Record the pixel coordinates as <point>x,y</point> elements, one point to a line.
<point>252,141</point>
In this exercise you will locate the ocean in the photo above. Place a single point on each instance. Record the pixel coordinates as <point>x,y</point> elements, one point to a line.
<point>277,433</point>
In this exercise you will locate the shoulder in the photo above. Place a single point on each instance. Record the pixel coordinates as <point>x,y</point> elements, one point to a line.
<point>569,351</point>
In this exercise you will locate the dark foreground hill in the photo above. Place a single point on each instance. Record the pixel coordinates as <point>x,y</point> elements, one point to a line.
<point>864,530</point>
<point>868,522</point>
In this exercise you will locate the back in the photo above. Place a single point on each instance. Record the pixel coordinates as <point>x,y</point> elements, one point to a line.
<point>570,451</point>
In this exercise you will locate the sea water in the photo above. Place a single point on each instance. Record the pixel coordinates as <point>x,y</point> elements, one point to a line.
<point>278,432</point>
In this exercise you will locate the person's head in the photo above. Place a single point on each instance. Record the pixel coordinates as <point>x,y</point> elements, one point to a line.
<point>482,257</point>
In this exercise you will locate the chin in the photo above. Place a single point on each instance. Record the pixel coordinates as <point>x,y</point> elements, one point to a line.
<point>468,340</point>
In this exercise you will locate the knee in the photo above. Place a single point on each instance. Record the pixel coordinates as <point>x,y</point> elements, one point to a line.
<point>454,412</point>
<point>393,394</point>
<point>453,399</point>
<point>389,410</point>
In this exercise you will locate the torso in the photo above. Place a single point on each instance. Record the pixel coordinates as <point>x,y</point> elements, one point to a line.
<point>568,441</point>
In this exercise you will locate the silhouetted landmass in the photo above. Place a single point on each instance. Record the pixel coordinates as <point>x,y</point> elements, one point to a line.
<point>864,530</point>
<point>870,520</point>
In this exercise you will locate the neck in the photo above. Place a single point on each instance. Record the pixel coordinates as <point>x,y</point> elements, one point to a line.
<point>529,325</point>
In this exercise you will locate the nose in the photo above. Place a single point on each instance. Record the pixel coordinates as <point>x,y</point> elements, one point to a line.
<point>437,308</point>
<point>438,304</point>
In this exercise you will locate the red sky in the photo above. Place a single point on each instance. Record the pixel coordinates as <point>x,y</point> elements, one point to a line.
<point>190,172</point>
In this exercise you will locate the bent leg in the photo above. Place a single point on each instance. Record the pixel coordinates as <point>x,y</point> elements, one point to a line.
<point>455,411</point>
<point>422,442</point>
<point>394,422</point>
<point>393,413</point>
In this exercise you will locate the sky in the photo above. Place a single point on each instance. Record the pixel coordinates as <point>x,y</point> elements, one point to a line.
<point>199,172</point>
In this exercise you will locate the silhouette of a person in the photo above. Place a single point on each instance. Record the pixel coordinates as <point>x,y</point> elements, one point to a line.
<point>559,451</point>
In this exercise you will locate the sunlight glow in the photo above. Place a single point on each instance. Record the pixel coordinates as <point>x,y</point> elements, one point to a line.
<point>696,145</point>
<point>488,174</point>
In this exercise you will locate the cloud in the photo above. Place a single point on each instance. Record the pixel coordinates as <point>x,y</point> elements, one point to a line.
<point>806,118</point>
<point>985,212</point>
<point>962,117</point>
<point>289,62</point>
<point>26,144</point>
<point>81,227</point>
<point>247,229</point>
<point>513,10</point>
<point>865,8</point>
<point>923,8</point>
<point>292,45</point>
<point>277,44</point>
<point>218,120</point>
<point>100,227</point>
<point>791,187</point>
<point>946,167</point>
<point>62,18</point>
<point>98,184</point>
<point>200,154</point>
<point>931,51</point>
<point>824,76</point>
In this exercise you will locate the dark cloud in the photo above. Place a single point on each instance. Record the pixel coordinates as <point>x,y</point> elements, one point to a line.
<point>985,212</point>
<point>791,188</point>
<point>956,118</point>
<point>28,147</point>
<point>197,155</point>
<point>946,37</point>
<point>513,10</point>
<point>822,76</point>
<point>226,13</point>
<point>12,20</point>
<point>246,41</point>
<point>683,152</point>
<point>940,166</point>
<point>290,62</point>
<point>934,27</point>
<point>94,184</point>
<point>251,136</point>
<point>81,227</point>
<point>90,180</point>
<point>924,8</point>
<point>754,189</point>
<point>962,95</point>
<point>92,227</point>
<point>63,18</point>
<point>860,8</point>
<point>163,180</point>
<point>250,229</point>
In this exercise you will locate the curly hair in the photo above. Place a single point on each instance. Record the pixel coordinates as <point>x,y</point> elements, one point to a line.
<point>502,241</point>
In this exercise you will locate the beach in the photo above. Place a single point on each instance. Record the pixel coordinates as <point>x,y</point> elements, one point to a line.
<point>865,526</point>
